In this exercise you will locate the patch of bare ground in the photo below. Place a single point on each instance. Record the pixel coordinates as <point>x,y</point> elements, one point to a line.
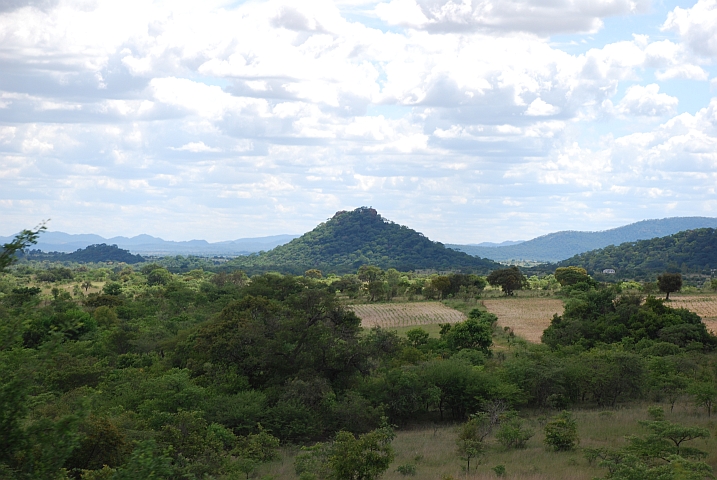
<point>528,317</point>
<point>392,315</point>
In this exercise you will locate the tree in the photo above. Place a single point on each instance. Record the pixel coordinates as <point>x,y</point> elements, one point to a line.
<point>704,395</point>
<point>471,436</point>
<point>365,457</point>
<point>561,432</point>
<point>669,282</point>
<point>417,337</point>
<point>509,279</point>
<point>475,332</point>
<point>659,455</point>
<point>666,438</point>
<point>159,276</point>
<point>373,277</point>
<point>313,273</point>
<point>511,433</point>
<point>441,283</point>
<point>21,241</point>
<point>571,275</point>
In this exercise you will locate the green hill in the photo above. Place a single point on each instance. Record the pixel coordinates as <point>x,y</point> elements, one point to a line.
<point>558,246</point>
<point>91,254</point>
<point>361,237</point>
<point>691,251</point>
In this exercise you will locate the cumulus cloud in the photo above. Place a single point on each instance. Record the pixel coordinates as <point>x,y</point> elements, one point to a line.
<point>647,102</point>
<point>697,26</point>
<point>539,17</point>
<point>244,113</point>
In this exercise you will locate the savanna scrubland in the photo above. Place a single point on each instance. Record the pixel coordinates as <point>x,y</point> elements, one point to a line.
<point>113,371</point>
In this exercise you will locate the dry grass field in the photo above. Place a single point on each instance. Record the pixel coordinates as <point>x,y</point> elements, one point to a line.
<point>703,305</point>
<point>528,317</point>
<point>433,449</point>
<point>393,315</point>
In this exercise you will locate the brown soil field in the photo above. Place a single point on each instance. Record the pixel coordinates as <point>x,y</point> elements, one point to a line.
<point>703,305</point>
<point>392,315</point>
<point>528,317</point>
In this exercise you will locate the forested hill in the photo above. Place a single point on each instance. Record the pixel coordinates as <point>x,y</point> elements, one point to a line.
<point>361,237</point>
<point>691,251</point>
<point>91,254</point>
<point>561,245</point>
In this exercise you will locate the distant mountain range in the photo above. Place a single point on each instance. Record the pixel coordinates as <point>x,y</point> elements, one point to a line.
<point>359,237</point>
<point>558,246</point>
<point>149,245</point>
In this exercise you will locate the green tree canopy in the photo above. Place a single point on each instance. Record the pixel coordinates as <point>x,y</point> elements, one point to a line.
<point>508,279</point>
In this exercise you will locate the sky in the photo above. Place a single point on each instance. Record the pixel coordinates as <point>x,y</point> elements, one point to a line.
<point>467,120</point>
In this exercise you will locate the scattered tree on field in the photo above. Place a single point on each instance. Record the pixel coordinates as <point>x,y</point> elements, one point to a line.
<point>348,457</point>
<point>509,279</point>
<point>373,277</point>
<point>561,432</point>
<point>668,283</point>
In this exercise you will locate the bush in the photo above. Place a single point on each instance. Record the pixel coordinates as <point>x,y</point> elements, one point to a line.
<point>499,470</point>
<point>511,433</point>
<point>407,469</point>
<point>561,432</point>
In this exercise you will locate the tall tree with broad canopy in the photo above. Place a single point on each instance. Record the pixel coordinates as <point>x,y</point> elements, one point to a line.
<point>571,275</point>
<point>509,279</point>
<point>668,283</point>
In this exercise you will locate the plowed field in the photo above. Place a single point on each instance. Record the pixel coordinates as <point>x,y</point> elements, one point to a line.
<point>528,317</point>
<point>392,315</point>
<point>704,306</point>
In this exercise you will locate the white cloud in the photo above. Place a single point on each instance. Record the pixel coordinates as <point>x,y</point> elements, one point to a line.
<point>197,147</point>
<point>543,18</point>
<point>312,105</point>
<point>539,108</point>
<point>647,101</point>
<point>697,26</point>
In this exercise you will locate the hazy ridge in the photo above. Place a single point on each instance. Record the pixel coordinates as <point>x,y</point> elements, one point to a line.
<point>559,246</point>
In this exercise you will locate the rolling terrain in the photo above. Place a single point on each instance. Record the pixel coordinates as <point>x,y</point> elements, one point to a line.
<point>559,246</point>
<point>691,251</point>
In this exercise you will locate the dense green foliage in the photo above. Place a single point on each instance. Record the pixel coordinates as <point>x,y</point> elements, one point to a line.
<point>508,279</point>
<point>117,373</point>
<point>91,254</point>
<point>686,252</point>
<point>361,237</point>
<point>601,316</point>
<point>558,246</point>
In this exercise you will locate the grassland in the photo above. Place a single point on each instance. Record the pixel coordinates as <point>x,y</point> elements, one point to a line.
<point>528,317</point>
<point>433,449</point>
<point>395,315</point>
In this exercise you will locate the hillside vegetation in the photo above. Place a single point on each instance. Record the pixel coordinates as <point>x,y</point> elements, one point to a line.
<point>91,254</point>
<point>561,245</point>
<point>692,251</point>
<point>361,237</point>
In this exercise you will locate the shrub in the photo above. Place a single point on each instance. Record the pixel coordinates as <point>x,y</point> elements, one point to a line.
<point>407,469</point>
<point>499,470</point>
<point>561,432</point>
<point>512,434</point>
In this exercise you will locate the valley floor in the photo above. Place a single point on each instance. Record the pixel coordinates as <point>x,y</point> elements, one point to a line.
<point>432,450</point>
